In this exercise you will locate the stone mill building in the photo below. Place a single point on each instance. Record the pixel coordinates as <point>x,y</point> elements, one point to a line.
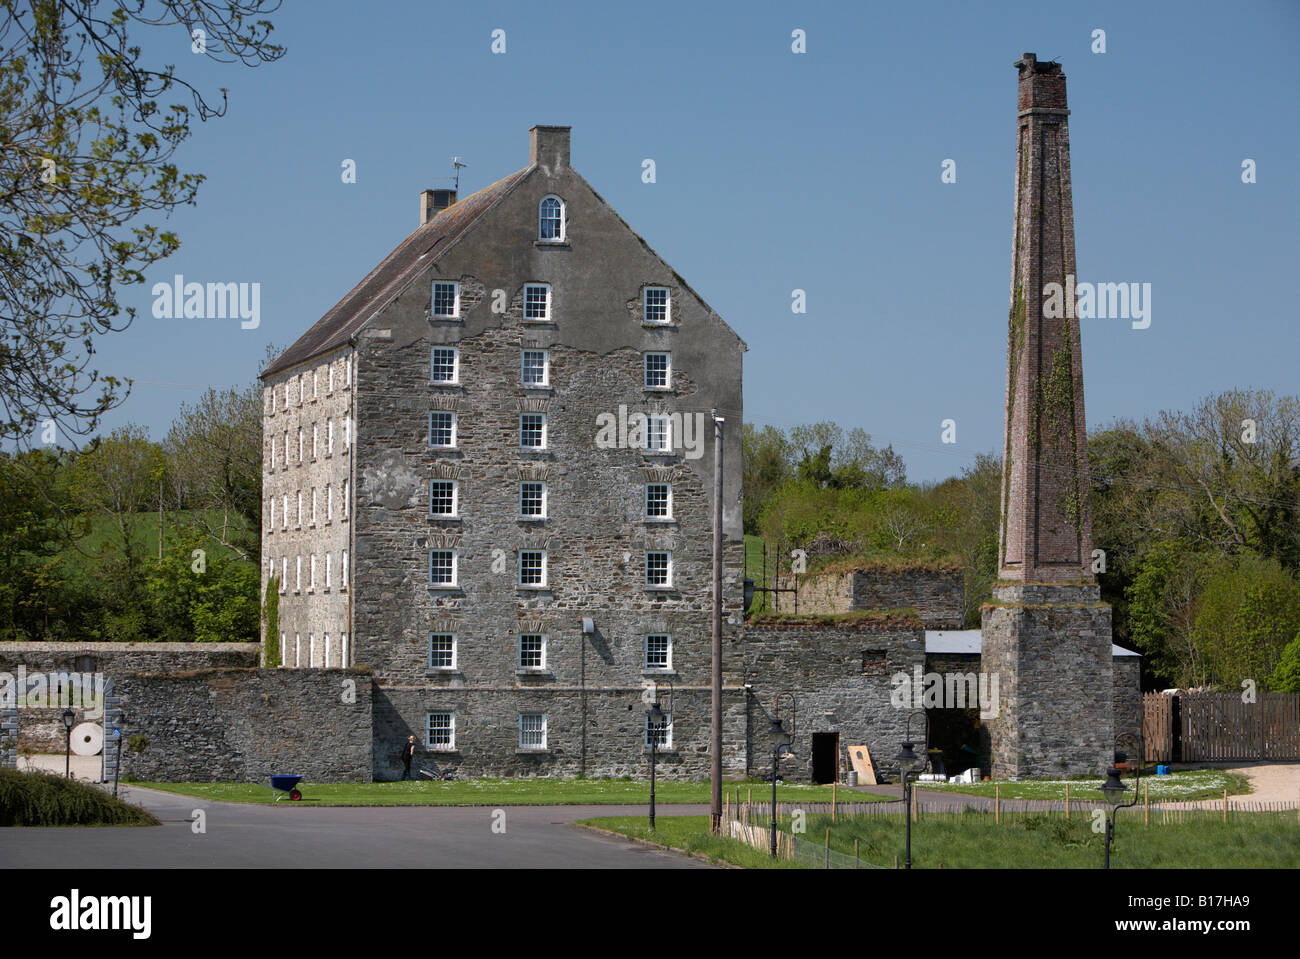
<point>488,479</point>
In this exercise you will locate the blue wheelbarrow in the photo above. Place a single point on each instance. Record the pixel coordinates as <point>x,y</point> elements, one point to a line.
<point>286,784</point>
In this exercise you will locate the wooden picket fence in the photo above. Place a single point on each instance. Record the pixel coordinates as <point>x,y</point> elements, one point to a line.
<point>1219,727</point>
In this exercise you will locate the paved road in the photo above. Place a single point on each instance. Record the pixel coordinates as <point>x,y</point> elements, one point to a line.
<point>322,837</point>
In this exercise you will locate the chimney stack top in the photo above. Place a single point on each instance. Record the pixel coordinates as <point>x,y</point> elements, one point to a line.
<point>433,202</point>
<point>548,147</point>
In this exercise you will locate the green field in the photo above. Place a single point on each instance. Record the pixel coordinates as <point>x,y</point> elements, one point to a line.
<point>1181,785</point>
<point>502,792</point>
<point>972,840</point>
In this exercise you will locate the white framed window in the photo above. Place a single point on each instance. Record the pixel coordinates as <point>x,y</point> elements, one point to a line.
<point>442,497</point>
<point>658,569</point>
<point>532,431</point>
<point>661,733</point>
<point>311,583</point>
<point>297,580</point>
<point>315,440</point>
<point>442,651</point>
<point>300,444</point>
<point>272,452</point>
<point>284,573</point>
<point>442,567</point>
<point>343,571</point>
<point>315,384</point>
<point>655,301</point>
<point>329,570</point>
<point>311,650</point>
<point>284,511</point>
<point>329,503</point>
<point>444,365</point>
<point>343,650</point>
<point>347,372</point>
<point>659,500</point>
<point>298,525</point>
<point>331,378</point>
<point>347,433</point>
<point>442,429</point>
<point>550,220</point>
<point>658,651</point>
<point>325,647</point>
<point>297,650</point>
<point>345,499</point>
<point>658,371</point>
<point>313,506</point>
<point>537,302</point>
<point>446,299</point>
<point>284,650</point>
<point>440,730</point>
<point>329,437</point>
<point>286,394</point>
<point>534,368</point>
<point>532,730</point>
<point>532,500</point>
<point>286,443</point>
<point>659,434</point>
<point>532,651</point>
<point>532,568</point>
<point>271,526</point>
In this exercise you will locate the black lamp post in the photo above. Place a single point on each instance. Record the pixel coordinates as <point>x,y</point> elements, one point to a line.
<point>1113,789</point>
<point>117,763</point>
<point>780,747</point>
<point>907,762</point>
<point>656,719</point>
<point>69,717</point>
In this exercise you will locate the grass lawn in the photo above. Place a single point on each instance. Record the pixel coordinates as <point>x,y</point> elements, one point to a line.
<point>1181,785</point>
<point>973,840</point>
<point>690,834</point>
<point>504,792</point>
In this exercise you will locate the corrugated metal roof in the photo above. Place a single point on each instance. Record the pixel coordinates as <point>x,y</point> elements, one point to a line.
<point>971,641</point>
<point>388,279</point>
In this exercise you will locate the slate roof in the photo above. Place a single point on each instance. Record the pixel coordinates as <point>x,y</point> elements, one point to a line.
<point>426,244</point>
<point>971,641</point>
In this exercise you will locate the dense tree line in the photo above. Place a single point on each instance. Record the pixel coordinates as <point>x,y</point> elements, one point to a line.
<point>1198,515</point>
<point>131,540</point>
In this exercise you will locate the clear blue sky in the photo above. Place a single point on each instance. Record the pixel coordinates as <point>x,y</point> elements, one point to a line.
<point>777,171</point>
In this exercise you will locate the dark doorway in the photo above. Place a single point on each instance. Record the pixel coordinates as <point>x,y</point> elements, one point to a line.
<point>825,757</point>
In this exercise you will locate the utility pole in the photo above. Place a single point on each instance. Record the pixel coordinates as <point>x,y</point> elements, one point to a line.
<point>715,766</point>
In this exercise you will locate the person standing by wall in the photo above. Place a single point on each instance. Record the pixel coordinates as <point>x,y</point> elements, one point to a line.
<point>408,753</point>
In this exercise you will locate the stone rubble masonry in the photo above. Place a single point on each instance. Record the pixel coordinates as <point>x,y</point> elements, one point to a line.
<point>111,658</point>
<point>937,595</point>
<point>1056,682</point>
<point>313,620</point>
<point>244,725</point>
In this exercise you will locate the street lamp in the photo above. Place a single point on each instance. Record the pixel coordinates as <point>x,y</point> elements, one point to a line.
<point>907,761</point>
<point>69,717</point>
<point>117,763</point>
<point>656,720</point>
<point>1113,789</point>
<point>780,747</point>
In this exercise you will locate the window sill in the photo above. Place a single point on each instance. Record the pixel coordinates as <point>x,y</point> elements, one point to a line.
<point>531,589</point>
<point>530,519</point>
<point>443,518</point>
<point>660,590</point>
<point>533,751</point>
<point>541,671</point>
<point>443,671</point>
<point>661,454</point>
<point>435,318</point>
<point>662,750</point>
<point>659,520</point>
<point>657,390</point>
<point>657,325</point>
<point>443,750</point>
<point>552,244</point>
<point>454,383</point>
<point>654,671</point>
<point>534,321</point>
<point>444,588</point>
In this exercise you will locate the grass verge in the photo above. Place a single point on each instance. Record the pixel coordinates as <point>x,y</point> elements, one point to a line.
<point>43,799</point>
<point>1181,785</point>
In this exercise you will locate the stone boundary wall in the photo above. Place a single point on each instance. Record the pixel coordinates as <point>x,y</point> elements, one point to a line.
<point>112,658</point>
<point>243,725</point>
<point>1128,701</point>
<point>936,595</point>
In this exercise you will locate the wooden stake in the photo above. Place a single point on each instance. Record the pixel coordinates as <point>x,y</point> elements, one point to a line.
<point>832,802</point>
<point>1146,803</point>
<point>997,803</point>
<point>895,860</point>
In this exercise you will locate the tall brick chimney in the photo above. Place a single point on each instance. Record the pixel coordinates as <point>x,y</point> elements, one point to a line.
<point>433,202</point>
<point>548,147</point>
<point>1046,635</point>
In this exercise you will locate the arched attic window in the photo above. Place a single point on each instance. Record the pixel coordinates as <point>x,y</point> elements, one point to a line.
<point>550,220</point>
